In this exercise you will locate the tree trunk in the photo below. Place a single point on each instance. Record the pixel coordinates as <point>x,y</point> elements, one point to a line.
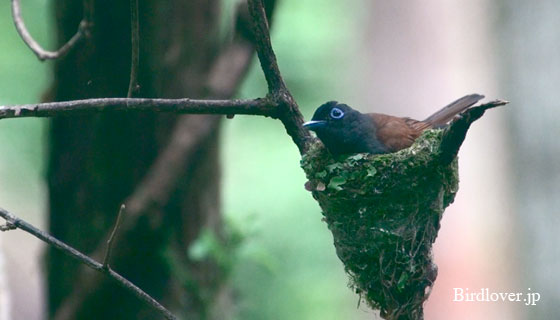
<point>97,162</point>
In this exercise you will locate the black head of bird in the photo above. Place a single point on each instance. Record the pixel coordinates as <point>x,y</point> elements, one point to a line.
<point>344,130</point>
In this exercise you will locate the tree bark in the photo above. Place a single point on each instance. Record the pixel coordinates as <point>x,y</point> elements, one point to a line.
<point>96,162</point>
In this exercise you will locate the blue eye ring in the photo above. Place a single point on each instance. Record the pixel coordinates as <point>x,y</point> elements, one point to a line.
<point>336,113</point>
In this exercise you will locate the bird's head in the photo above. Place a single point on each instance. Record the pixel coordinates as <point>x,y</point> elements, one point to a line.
<point>339,127</point>
<point>330,116</point>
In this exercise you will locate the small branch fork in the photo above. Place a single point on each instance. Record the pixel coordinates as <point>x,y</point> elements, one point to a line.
<point>41,53</point>
<point>13,222</point>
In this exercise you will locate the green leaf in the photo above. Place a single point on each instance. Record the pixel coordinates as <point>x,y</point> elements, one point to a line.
<point>402,281</point>
<point>334,166</point>
<point>371,171</point>
<point>336,183</point>
<point>205,246</point>
<point>357,157</point>
<point>321,174</point>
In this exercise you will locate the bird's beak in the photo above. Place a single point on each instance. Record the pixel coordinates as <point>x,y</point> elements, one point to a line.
<point>314,124</point>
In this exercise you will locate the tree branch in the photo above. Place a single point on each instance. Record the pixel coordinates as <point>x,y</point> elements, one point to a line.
<point>112,238</point>
<point>134,48</point>
<point>45,237</point>
<point>288,110</point>
<point>261,107</point>
<point>267,58</point>
<point>41,53</point>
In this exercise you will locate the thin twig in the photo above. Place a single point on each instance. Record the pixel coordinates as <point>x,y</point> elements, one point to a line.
<point>134,48</point>
<point>112,237</point>
<point>288,110</point>
<point>41,53</point>
<point>88,13</point>
<point>262,107</point>
<point>45,237</point>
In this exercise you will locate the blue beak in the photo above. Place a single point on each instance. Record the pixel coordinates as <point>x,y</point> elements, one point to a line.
<point>314,124</point>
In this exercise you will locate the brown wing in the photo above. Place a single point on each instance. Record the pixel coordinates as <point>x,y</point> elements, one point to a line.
<point>397,133</point>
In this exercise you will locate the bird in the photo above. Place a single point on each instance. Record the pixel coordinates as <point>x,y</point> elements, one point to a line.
<point>344,130</point>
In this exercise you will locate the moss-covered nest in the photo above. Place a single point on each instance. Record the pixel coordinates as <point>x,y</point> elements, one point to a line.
<point>384,212</point>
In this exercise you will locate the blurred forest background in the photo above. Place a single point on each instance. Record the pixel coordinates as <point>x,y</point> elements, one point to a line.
<point>401,57</point>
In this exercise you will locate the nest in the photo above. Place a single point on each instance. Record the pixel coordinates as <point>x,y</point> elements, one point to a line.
<point>384,212</point>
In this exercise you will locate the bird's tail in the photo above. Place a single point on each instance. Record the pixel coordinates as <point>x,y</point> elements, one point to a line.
<point>445,114</point>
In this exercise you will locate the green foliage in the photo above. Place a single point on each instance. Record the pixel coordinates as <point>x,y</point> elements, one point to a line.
<point>222,250</point>
<point>384,213</point>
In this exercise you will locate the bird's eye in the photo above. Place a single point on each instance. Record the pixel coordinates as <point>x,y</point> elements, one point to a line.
<point>336,113</point>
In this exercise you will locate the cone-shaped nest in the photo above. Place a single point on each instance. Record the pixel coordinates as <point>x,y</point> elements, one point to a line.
<point>384,213</point>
